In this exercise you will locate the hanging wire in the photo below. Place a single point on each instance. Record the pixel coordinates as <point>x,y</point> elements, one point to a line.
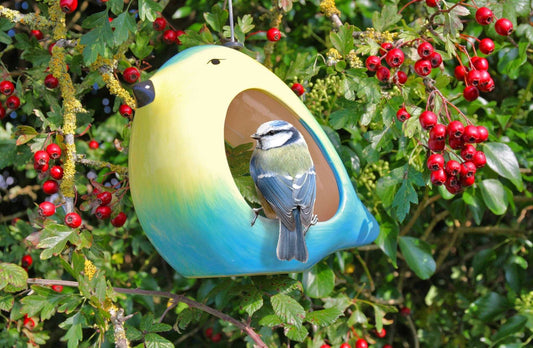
<point>232,43</point>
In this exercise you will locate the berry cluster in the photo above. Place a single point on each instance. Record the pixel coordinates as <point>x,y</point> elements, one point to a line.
<point>12,102</point>
<point>213,337</point>
<point>170,36</point>
<point>394,57</point>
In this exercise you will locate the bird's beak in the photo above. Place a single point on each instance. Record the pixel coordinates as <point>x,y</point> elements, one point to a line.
<point>144,93</point>
<point>255,136</point>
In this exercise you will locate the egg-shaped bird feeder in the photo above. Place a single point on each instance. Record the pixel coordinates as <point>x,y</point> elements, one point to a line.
<point>182,187</point>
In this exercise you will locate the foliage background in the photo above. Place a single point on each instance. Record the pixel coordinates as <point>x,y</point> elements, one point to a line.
<point>459,263</point>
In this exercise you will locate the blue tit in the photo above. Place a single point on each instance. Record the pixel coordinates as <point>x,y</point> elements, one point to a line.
<point>285,179</point>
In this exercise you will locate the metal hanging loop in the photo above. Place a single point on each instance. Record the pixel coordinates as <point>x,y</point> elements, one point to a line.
<point>232,43</point>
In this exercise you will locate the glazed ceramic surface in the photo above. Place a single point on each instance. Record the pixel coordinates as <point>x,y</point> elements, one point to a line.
<point>182,188</point>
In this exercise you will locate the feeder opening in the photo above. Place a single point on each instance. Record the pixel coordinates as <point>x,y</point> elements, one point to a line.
<point>251,108</point>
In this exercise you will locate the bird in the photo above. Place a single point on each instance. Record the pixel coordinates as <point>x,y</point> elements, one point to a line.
<point>284,175</point>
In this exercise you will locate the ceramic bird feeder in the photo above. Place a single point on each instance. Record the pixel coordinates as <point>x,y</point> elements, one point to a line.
<point>183,191</point>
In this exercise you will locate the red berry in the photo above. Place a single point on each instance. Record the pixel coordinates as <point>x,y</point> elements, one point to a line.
<point>169,36</point>
<point>178,34</point>
<point>432,3</point>
<point>381,333</point>
<point>273,34</point>
<point>435,59</point>
<point>405,311</point>
<point>7,87</point>
<point>473,77</point>
<point>57,288</point>
<point>453,168</point>
<point>486,46</point>
<point>402,115</point>
<point>68,6</point>
<point>468,169</point>
<point>50,187</point>
<point>53,150</point>
<point>385,47</point>
<point>480,63</point>
<point>435,162</point>
<point>93,144</point>
<point>104,198</point>
<point>51,47</point>
<point>484,78</point>
<point>298,89</point>
<point>131,74</point>
<point>423,67</point>
<point>345,345</point>
<point>50,81</point>
<point>468,152</point>
<point>438,177</point>
<point>453,185</point>
<point>13,102</point>
<point>468,181</point>
<point>372,63</point>
<point>456,143</point>
<point>383,74</point>
<point>471,134</point>
<point>56,172</point>
<point>26,261</point>
<point>40,167</point>
<point>119,220</point>
<point>395,57</point>
<point>47,209</point>
<point>28,322</point>
<point>2,112</point>
<point>471,93</point>
<point>438,132</point>
<point>479,159</point>
<point>41,157</point>
<point>428,119</point>
<point>125,110</point>
<point>503,27</point>
<point>486,85</point>
<point>216,337</point>
<point>455,129</point>
<point>209,332</point>
<point>401,77</point>
<point>73,220</point>
<point>387,346</point>
<point>460,72</point>
<point>325,346</point>
<point>361,343</point>
<point>425,49</point>
<point>102,212</point>
<point>159,24</point>
<point>484,16</point>
<point>37,34</point>
<point>436,145</point>
<point>483,134</point>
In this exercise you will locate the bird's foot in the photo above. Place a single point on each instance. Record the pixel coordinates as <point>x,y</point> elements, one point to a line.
<point>256,214</point>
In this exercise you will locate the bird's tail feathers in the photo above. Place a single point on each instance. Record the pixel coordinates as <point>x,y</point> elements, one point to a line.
<point>291,244</point>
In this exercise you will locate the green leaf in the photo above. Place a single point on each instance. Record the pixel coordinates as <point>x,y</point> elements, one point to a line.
<point>417,254</point>
<point>217,18</point>
<point>252,300</point>
<point>324,317</point>
<point>494,195</point>
<point>53,239</point>
<point>278,284</point>
<point>296,333</point>
<point>160,327</point>
<point>153,340</point>
<point>124,24</point>
<point>12,277</point>
<point>6,302</point>
<point>513,325</point>
<point>387,240</point>
<point>357,317</point>
<point>148,10</point>
<point>116,6</point>
<point>74,334</point>
<point>288,309</point>
<point>502,160</point>
<point>141,47</point>
<point>387,18</point>
<point>488,307</point>
<point>319,281</point>
<point>343,39</point>
<point>402,200</point>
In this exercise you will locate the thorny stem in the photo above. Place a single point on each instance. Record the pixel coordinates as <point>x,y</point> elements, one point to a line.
<point>175,298</point>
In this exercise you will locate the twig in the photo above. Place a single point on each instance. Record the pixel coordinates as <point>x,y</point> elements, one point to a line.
<point>425,202</point>
<point>101,164</point>
<point>412,327</point>
<point>176,298</point>
<point>118,319</point>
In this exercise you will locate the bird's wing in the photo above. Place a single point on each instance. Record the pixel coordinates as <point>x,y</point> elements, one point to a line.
<point>304,193</point>
<point>277,190</point>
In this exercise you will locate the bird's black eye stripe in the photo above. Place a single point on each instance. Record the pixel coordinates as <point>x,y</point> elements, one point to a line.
<point>214,61</point>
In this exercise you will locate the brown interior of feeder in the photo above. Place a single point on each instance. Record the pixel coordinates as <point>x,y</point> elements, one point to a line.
<point>252,108</point>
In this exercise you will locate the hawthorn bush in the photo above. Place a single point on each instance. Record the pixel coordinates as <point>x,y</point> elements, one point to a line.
<point>428,103</point>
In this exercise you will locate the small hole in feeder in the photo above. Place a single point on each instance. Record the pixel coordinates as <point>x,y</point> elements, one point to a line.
<point>251,108</point>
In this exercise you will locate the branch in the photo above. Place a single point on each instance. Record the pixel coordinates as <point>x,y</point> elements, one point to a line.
<point>118,319</point>
<point>102,164</point>
<point>425,202</point>
<point>176,298</point>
